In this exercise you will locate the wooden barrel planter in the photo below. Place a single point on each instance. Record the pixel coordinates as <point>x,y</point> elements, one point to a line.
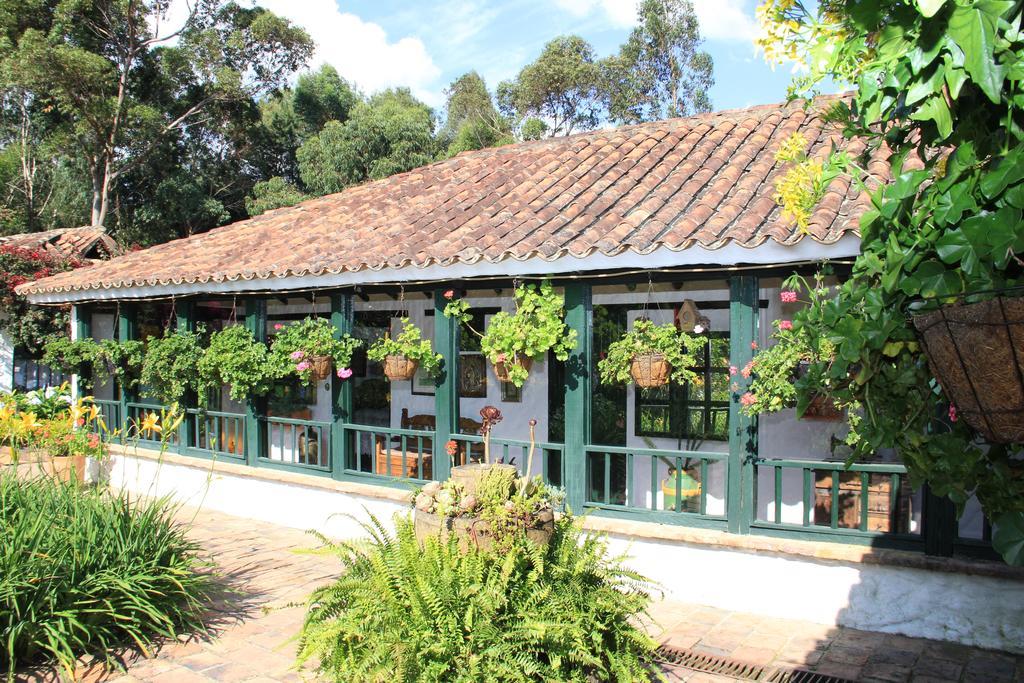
<point>650,370</point>
<point>976,351</point>
<point>320,367</point>
<point>35,463</point>
<point>502,368</point>
<point>474,532</point>
<point>400,367</point>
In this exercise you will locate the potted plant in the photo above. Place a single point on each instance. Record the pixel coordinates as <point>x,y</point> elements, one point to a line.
<point>170,369</point>
<point>513,341</point>
<point>403,355</point>
<point>651,355</point>
<point>234,357</point>
<point>501,506</point>
<point>56,446</point>
<point>309,347</point>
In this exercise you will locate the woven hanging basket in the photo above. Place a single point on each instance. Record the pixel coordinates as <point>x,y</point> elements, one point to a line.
<point>320,367</point>
<point>976,351</point>
<point>502,368</point>
<point>400,367</point>
<point>650,370</point>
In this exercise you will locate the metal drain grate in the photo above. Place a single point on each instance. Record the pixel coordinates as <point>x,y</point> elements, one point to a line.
<point>744,671</point>
<point>711,664</point>
<point>800,676</point>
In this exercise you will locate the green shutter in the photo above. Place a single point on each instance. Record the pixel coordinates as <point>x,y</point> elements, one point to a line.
<point>255,434</point>
<point>579,317</point>
<point>341,390</point>
<point>446,392</point>
<point>743,324</point>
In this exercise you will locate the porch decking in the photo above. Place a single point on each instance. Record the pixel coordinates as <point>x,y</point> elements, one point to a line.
<point>259,561</point>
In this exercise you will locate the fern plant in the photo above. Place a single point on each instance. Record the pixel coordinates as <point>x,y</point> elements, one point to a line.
<point>402,611</point>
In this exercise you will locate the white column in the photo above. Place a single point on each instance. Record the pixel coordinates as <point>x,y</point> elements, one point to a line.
<point>6,362</point>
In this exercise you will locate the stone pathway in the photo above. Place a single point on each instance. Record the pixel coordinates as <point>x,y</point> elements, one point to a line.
<point>253,625</point>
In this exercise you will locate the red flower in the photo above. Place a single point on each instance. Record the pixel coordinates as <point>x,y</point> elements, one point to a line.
<point>952,413</point>
<point>785,324</point>
<point>787,296</point>
<point>452,447</point>
<point>449,294</point>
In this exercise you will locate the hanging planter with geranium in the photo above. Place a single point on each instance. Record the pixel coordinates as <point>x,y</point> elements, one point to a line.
<point>651,356</point>
<point>308,348</point>
<point>404,354</point>
<point>513,341</point>
<point>778,372</point>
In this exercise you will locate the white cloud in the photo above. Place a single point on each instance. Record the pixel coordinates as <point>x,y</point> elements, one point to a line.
<point>727,20</point>
<point>360,50</point>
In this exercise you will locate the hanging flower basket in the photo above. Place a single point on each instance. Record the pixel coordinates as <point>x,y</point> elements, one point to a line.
<point>320,367</point>
<point>502,368</point>
<point>650,370</point>
<point>976,351</point>
<point>400,367</point>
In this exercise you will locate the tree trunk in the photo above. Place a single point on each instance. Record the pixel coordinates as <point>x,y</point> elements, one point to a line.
<point>100,194</point>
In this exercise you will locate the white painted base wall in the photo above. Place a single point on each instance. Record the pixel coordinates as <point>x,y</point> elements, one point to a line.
<point>972,610</point>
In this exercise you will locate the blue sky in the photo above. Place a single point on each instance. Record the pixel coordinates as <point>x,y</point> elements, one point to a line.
<point>425,45</point>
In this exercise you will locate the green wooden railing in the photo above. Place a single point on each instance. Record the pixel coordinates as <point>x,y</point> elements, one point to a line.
<point>213,432</point>
<point>136,412</point>
<point>612,483</point>
<point>390,453</point>
<point>547,456</point>
<point>299,444</point>
<point>864,500</point>
<point>110,411</point>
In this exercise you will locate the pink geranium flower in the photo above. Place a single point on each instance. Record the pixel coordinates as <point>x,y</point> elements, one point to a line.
<point>278,326</point>
<point>298,355</point>
<point>733,370</point>
<point>747,399</point>
<point>753,345</point>
<point>449,294</point>
<point>344,373</point>
<point>302,367</point>
<point>787,296</point>
<point>785,324</point>
<point>952,413</point>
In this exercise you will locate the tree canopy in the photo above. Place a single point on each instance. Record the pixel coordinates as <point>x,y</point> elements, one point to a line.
<point>110,115</point>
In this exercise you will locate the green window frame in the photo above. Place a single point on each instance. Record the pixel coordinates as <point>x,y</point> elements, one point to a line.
<point>690,411</point>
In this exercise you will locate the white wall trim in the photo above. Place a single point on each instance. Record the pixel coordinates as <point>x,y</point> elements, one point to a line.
<point>767,254</point>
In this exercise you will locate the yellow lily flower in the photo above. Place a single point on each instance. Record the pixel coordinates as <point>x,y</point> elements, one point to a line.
<point>151,424</point>
<point>29,421</point>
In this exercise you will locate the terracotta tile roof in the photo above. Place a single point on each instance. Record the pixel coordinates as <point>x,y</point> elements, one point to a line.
<point>66,242</point>
<point>705,180</point>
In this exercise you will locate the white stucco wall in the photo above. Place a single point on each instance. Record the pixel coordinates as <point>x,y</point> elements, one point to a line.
<point>972,610</point>
<point>6,362</point>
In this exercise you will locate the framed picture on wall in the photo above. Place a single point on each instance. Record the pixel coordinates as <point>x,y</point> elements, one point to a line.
<point>422,383</point>
<point>472,376</point>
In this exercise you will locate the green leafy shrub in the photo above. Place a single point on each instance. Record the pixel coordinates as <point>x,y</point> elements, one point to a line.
<point>82,571</point>
<point>536,327</point>
<point>297,342</point>
<point>408,343</point>
<point>234,357</point>
<point>171,368</point>
<point>402,611</point>
<point>678,348</point>
<point>96,361</point>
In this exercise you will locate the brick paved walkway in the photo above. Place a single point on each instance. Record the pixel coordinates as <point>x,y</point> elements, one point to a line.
<point>253,626</point>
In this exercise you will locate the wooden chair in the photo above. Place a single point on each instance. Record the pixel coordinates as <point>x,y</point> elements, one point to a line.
<point>389,451</point>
